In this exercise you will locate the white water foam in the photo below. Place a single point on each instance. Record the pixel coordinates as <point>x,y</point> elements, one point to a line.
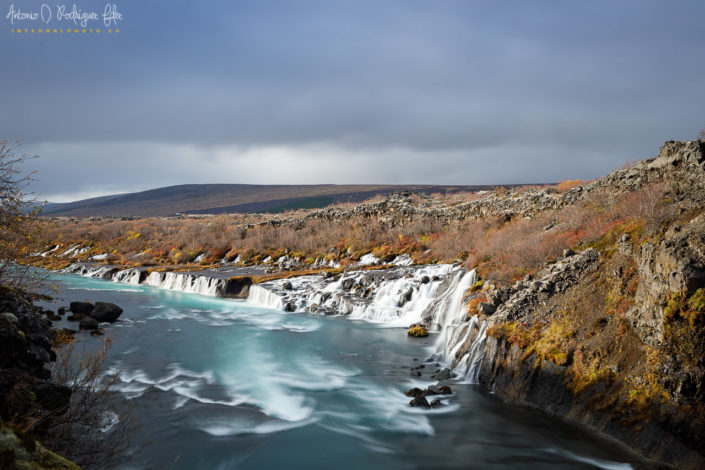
<point>222,427</point>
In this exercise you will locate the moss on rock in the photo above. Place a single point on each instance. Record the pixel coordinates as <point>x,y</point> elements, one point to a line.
<point>417,331</point>
<point>19,454</point>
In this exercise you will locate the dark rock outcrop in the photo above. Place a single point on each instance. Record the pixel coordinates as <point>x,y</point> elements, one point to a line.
<point>81,308</point>
<point>106,312</point>
<point>88,323</point>
<point>673,265</point>
<point>420,402</point>
<point>551,280</point>
<point>521,380</point>
<point>26,392</point>
<point>237,287</point>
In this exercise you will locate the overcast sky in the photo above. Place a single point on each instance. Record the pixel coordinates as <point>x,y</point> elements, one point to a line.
<point>356,91</point>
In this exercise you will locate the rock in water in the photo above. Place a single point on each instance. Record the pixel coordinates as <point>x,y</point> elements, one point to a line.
<point>81,308</point>
<point>105,311</point>
<point>88,323</point>
<point>418,331</point>
<point>420,401</point>
<point>442,375</point>
<point>439,390</point>
<point>414,392</point>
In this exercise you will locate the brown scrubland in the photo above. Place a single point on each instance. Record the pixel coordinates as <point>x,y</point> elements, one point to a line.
<point>501,248</point>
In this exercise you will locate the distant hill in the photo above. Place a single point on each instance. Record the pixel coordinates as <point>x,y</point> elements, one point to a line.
<point>231,198</point>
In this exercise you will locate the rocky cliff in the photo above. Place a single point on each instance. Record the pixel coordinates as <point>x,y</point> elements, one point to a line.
<point>613,337</point>
<point>28,398</point>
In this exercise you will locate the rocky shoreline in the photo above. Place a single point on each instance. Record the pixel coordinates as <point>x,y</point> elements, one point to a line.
<point>28,396</point>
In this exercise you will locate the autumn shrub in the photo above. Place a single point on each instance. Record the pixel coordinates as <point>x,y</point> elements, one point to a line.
<point>520,334</point>
<point>648,203</point>
<point>18,219</point>
<point>566,185</point>
<point>94,432</point>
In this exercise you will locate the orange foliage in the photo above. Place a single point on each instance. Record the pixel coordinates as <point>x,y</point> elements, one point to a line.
<point>564,186</point>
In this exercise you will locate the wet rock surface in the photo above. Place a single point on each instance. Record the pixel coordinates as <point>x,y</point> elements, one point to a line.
<point>26,391</point>
<point>106,312</point>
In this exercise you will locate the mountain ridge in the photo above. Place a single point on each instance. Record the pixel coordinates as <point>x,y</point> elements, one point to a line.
<point>235,198</point>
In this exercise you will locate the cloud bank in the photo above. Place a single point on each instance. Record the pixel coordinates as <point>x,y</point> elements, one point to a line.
<point>451,92</point>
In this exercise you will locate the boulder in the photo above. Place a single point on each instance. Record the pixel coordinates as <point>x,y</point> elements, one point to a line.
<point>81,308</point>
<point>414,392</point>
<point>106,312</point>
<point>8,317</point>
<point>486,308</point>
<point>406,296</point>
<point>287,285</point>
<point>88,323</point>
<point>442,375</point>
<point>439,390</point>
<point>417,331</point>
<point>419,401</point>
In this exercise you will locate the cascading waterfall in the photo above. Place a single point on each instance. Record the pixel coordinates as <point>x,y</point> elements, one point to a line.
<point>432,295</point>
<point>128,276</point>
<point>448,308</point>
<point>260,295</point>
<point>183,282</point>
<point>461,343</point>
<point>399,297</point>
<point>469,363</point>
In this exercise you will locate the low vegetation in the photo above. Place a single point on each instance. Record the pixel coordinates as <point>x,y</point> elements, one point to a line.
<point>500,248</point>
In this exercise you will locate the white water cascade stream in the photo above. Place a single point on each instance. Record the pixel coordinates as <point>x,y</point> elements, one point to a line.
<point>432,295</point>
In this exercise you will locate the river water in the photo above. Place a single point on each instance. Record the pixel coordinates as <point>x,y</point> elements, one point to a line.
<point>225,384</point>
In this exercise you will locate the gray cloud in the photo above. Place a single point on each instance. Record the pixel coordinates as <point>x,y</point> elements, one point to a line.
<point>483,92</point>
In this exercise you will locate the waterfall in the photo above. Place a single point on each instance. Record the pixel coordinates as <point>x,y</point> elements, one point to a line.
<point>398,297</point>
<point>460,344</point>
<point>261,296</point>
<point>183,282</point>
<point>128,276</point>
<point>430,294</point>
